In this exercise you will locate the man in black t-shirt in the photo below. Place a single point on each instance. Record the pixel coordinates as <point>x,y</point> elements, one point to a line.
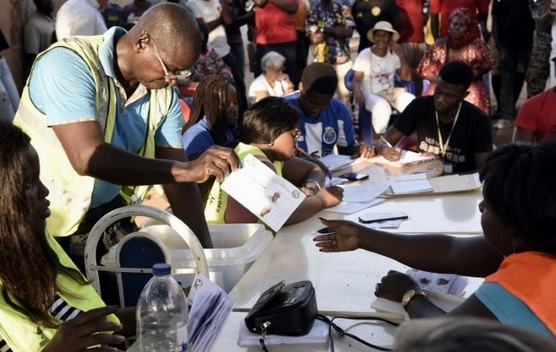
<point>446,125</point>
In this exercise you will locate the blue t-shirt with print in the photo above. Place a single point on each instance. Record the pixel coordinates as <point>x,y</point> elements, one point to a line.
<point>319,135</point>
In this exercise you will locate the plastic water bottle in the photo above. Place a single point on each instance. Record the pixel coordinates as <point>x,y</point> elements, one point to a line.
<point>162,314</point>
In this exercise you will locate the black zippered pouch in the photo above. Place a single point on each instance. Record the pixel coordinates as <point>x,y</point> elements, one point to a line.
<point>284,310</point>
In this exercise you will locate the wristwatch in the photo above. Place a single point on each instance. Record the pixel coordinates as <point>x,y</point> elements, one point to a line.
<point>410,295</point>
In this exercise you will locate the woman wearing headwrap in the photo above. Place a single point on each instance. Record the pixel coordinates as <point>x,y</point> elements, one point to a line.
<point>464,43</point>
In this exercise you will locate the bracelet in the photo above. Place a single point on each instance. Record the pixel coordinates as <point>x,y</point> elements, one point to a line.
<point>315,182</point>
<point>410,295</point>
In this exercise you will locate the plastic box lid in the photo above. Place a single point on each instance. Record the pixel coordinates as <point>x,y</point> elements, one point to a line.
<point>234,244</point>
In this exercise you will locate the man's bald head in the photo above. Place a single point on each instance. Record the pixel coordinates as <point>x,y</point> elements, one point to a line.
<point>174,29</point>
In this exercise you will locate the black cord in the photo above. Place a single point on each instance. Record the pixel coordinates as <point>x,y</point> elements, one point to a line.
<point>263,345</point>
<point>341,332</point>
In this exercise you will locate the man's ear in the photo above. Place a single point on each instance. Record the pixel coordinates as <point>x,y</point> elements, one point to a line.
<point>300,85</point>
<point>141,42</point>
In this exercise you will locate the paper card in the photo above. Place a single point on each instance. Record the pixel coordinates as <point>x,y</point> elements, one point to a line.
<point>410,157</point>
<point>270,197</point>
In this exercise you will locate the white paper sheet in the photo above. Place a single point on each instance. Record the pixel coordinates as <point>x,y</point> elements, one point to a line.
<point>335,161</point>
<point>364,192</point>
<point>352,207</point>
<point>270,197</point>
<point>318,334</point>
<point>408,157</point>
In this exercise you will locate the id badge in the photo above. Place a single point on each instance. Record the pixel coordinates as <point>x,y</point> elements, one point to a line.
<point>448,167</point>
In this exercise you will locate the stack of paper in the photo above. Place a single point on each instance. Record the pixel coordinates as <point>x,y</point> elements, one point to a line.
<point>210,306</point>
<point>411,187</point>
<point>455,183</point>
<point>318,334</point>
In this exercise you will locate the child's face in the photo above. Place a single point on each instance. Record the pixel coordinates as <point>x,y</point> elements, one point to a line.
<point>36,192</point>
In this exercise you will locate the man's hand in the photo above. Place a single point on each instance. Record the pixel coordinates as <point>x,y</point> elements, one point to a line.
<point>216,161</point>
<point>392,154</point>
<point>364,152</point>
<point>86,330</point>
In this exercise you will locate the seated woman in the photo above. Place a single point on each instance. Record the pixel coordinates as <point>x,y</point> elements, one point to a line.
<point>273,81</point>
<point>214,117</point>
<point>46,304</point>
<point>516,254</point>
<point>464,43</point>
<point>373,76</point>
<point>269,132</point>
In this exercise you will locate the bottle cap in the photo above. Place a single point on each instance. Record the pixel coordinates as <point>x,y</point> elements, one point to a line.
<point>162,269</point>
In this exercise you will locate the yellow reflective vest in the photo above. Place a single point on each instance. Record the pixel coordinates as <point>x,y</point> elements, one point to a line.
<point>70,193</point>
<point>21,334</point>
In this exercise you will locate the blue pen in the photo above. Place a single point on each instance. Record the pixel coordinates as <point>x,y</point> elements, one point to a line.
<point>330,175</point>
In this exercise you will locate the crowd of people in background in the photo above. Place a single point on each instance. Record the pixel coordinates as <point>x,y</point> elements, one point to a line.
<point>158,94</point>
<point>506,44</point>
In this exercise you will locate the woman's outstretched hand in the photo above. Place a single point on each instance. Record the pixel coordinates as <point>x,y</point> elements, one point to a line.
<point>342,236</point>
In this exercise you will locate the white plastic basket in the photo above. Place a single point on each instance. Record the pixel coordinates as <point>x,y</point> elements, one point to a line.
<point>91,266</point>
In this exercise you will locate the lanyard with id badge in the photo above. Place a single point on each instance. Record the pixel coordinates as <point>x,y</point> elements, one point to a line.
<point>448,166</point>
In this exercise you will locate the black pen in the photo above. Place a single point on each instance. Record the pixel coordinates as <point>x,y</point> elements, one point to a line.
<point>403,217</point>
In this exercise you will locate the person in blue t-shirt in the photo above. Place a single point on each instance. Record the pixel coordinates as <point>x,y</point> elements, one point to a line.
<point>325,121</point>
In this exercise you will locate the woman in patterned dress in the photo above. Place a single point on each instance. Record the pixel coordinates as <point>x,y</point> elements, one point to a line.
<point>464,43</point>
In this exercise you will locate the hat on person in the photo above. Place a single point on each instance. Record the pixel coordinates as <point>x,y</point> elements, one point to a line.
<point>382,26</point>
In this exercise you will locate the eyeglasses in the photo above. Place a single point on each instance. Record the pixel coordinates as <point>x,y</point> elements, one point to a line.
<point>296,134</point>
<point>168,75</point>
